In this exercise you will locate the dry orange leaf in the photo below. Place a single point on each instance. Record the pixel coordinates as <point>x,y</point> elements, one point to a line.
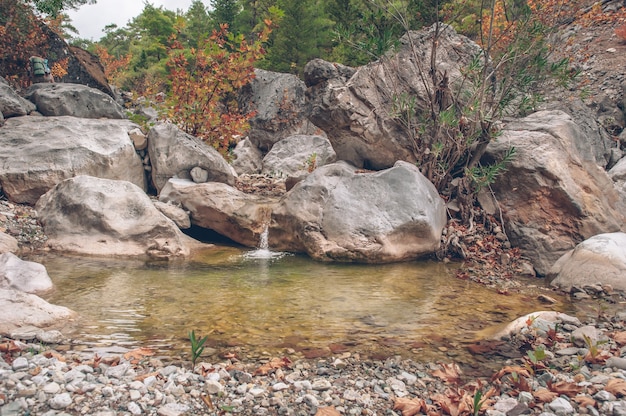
<point>142,377</point>
<point>520,371</point>
<point>9,346</point>
<point>545,395</point>
<point>207,401</point>
<point>584,401</point>
<point>620,338</point>
<point>275,363</point>
<point>616,386</point>
<point>54,354</point>
<point>449,373</point>
<point>409,407</point>
<point>138,354</point>
<point>327,411</point>
<point>563,387</point>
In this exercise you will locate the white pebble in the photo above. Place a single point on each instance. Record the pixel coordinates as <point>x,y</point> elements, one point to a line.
<point>20,363</point>
<point>280,386</point>
<point>134,408</point>
<point>60,401</point>
<point>213,387</point>
<point>52,388</point>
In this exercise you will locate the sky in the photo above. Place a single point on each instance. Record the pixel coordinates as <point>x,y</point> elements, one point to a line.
<point>90,19</point>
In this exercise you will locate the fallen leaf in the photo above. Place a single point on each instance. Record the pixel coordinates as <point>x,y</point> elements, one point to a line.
<point>327,411</point>
<point>584,401</point>
<point>138,354</point>
<point>448,402</point>
<point>142,377</point>
<point>409,407</point>
<point>520,371</point>
<point>275,363</point>
<point>54,354</point>
<point>597,358</point>
<point>616,386</point>
<point>9,347</point>
<point>544,395</point>
<point>563,387</point>
<point>620,338</point>
<point>207,401</point>
<point>449,373</point>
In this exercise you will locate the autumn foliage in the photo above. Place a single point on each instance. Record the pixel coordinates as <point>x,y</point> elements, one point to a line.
<point>114,67</point>
<point>502,26</point>
<point>20,37</point>
<point>204,82</point>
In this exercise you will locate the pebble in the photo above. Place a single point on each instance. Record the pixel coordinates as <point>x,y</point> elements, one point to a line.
<point>68,383</point>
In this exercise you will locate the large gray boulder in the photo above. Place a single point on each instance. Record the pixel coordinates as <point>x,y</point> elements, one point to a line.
<point>338,213</point>
<point>358,114</point>
<point>104,217</point>
<point>25,276</point>
<point>297,155</point>
<point>248,158</point>
<point>279,104</point>
<point>599,260</point>
<point>174,154</point>
<point>11,104</point>
<point>19,309</point>
<point>75,100</point>
<point>552,198</point>
<point>39,152</point>
<point>221,208</point>
<point>590,138</point>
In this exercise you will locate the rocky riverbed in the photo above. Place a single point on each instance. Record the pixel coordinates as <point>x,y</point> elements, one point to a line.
<point>564,367</point>
<point>550,364</point>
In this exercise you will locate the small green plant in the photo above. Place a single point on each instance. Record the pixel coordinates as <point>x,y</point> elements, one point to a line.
<point>311,162</point>
<point>595,354</point>
<point>534,358</point>
<point>140,119</point>
<point>197,347</point>
<point>536,355</point>
<point>483,176</point>
<point>478,402</point>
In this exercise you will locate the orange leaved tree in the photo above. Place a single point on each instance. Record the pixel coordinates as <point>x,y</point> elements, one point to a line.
<point>114,67</point>
<point>204,82</point>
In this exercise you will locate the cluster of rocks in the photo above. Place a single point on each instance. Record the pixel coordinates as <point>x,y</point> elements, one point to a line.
<point>582,371</point>
<point>19,228</point>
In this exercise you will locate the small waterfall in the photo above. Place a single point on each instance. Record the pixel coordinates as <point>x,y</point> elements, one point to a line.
<point>264,241</point>
<point>263,251</point>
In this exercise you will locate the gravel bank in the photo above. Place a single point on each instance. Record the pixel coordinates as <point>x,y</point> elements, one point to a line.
<point>566,367</point>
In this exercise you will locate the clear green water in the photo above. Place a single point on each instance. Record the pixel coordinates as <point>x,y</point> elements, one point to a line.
<point>256,306</point>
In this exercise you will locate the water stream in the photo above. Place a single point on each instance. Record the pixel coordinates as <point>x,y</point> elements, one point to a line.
<point>254,305</point>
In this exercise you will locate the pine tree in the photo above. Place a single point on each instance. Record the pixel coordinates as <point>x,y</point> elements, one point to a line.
<point>302,34</point>
<point>198,23</point>
<point>224,12</point>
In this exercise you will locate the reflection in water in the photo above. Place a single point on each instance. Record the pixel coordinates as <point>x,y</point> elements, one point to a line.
<point>271,304</point>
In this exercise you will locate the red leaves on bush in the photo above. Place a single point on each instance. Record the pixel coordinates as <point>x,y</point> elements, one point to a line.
<point>202,99</point>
